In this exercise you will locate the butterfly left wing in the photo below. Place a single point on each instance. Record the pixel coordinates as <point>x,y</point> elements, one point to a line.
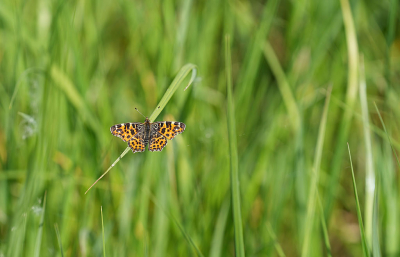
<point>169,129</point>
<point>126,131</point>
<point>157,142</point>
<point>137,143</point>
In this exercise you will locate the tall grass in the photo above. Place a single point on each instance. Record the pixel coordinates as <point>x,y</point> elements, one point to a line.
<point>71,69</point>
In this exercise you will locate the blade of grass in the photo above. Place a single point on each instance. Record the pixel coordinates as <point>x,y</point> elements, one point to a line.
<point>184,71</point>
<point>360,222</point>
<point>370,172</point>
<point>102,231</point>
<point>392,234</point>
<point>351,97</point>
<point>387,134</point>
<point>112,165</point>
<point>315,178</point>
<point>375,129</point>
<point>181,33</point>
<point>390,38</point>
<point>67,86</point>
<point>218,237</point>
<point>376,249</point>
<point>59,239</point>
<point>283,85</point>
<point>181,228</point>
<point>278,247</point>
<point>235,188</point>
<point>40,231</point>
<point>324,227</point>
<point>254,53</point>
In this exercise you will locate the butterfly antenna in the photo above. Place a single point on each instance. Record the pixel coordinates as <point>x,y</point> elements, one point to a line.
<point>139,112</point>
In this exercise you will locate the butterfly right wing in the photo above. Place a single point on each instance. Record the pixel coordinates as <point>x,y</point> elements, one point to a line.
<point>157,142</point>
<point>137,143</point>
<point>126,131</point>
<point>169,129</point>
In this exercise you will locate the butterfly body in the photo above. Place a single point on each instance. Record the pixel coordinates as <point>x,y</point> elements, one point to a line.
<point>139,135</point>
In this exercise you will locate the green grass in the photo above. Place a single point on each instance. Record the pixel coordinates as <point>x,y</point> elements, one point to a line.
<point>233,153</point>
<point>364,242</point>
<point>261,168</point>
<point>102,231</point>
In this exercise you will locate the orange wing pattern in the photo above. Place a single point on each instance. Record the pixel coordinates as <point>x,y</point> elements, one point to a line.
<point>137,144</point>
<point>126,131</point>
<point>170,129</point>
<point>157,142</point>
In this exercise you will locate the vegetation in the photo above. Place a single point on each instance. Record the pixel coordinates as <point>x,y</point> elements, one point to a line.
<point>283,92</point>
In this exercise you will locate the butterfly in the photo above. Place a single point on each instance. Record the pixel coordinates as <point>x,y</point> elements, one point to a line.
<point>138,134</point>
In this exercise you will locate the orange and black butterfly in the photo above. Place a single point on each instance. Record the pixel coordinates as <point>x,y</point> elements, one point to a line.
<point>138,134</point>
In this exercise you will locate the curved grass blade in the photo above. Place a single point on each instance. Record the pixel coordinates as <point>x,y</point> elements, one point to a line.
<point>184,71</point>
<point>369,167</point>
<point>313,194</point>
<point>360,222</point>
<point>173,87</point>
<point>283,85</point>
<point>351,98</point>
<point>235,189</point>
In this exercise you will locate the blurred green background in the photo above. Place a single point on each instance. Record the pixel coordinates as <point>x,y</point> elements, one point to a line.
<point>69,70</point>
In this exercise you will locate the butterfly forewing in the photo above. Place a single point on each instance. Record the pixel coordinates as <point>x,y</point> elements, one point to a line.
<point>170,129</point>
<point>126,131</point>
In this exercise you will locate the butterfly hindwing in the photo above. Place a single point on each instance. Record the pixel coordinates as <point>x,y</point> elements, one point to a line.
<point>170,129</point>
<point>137,144</point>
<point>157,142</point>
<point>126,131</point>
